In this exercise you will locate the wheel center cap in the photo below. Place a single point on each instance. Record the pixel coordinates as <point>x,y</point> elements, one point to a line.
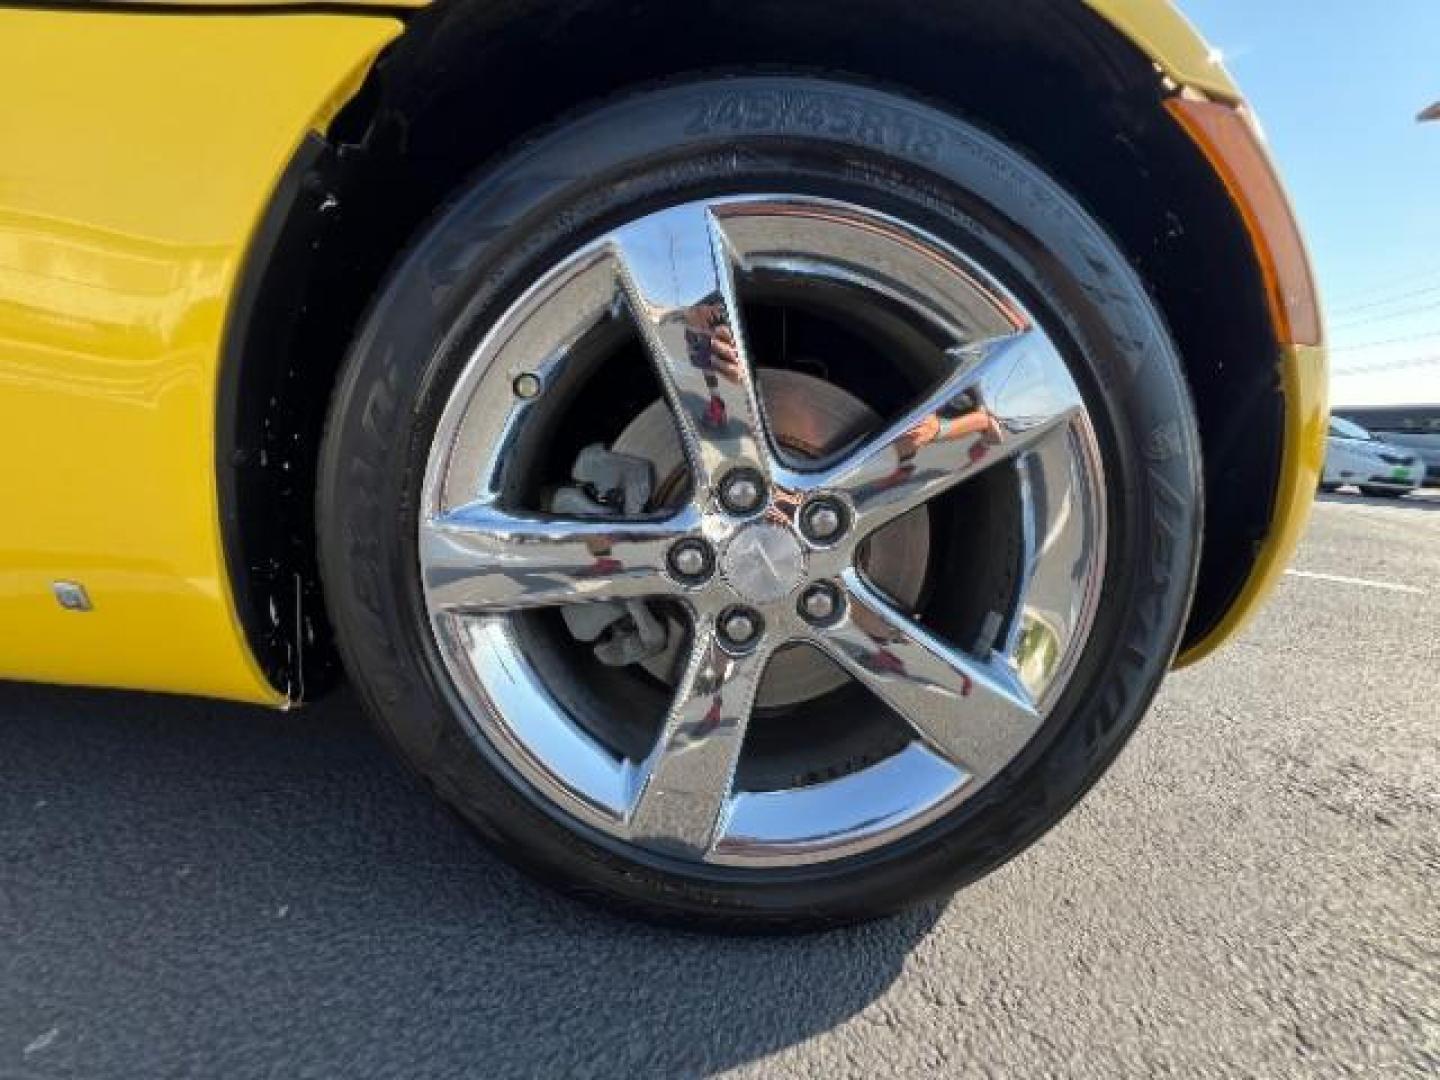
<point>764,563</point>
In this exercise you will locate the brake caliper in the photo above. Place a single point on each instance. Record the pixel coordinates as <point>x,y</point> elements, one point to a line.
<point>608,484</point>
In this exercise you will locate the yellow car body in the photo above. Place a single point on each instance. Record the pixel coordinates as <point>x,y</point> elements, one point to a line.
<point>139,153</point>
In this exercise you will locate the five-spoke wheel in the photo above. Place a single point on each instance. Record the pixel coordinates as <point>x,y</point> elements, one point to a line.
<point>764,554</point>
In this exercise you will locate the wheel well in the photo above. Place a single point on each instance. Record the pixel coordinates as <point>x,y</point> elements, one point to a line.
<point>469,78</point>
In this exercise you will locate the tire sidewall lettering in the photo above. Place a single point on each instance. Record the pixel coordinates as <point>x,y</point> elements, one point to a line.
<point>743,112</point>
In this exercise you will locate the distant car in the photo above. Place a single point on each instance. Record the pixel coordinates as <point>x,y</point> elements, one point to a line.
<point>1354,456</point>
<point>1411,427</point>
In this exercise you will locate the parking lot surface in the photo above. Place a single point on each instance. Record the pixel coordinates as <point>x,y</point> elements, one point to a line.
<point>193,889</point>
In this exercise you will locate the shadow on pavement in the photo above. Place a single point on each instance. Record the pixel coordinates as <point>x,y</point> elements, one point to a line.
<point>189,888</point>
<point>1425,499</point>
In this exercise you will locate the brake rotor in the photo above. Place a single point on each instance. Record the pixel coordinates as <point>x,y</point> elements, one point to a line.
<point>810,419</point>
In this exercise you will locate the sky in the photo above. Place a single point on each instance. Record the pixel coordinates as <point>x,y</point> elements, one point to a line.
<point>1337,85</point>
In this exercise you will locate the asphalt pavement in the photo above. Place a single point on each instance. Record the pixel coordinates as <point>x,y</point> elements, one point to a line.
<point>194,889</point>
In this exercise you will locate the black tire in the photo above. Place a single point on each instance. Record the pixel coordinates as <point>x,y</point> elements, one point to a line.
<point>689,140</point>
<point>1382,493</point>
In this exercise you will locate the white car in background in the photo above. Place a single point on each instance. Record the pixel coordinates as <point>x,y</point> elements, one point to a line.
<point>1354,456</point>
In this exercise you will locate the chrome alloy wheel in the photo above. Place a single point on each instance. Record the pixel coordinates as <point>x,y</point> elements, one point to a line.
<point>764,554</point>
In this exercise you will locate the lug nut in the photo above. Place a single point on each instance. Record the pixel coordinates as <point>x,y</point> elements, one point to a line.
<point>742,491</point>
<point>527,385</point>
<point>820,603</point>
<point>739,626</point>
<point>823,520</point>
<point>691,559</point>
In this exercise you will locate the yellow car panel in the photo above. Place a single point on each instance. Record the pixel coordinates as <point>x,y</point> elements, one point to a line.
<point>1304,380</point>
<point>270,5</point>
<point>124,216</point>
<point>1167,37</point>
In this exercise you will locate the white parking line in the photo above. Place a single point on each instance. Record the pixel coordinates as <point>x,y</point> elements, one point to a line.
<point>1388,586</point>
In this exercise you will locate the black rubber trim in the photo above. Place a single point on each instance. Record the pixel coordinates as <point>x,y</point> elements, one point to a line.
<point>257,550</point>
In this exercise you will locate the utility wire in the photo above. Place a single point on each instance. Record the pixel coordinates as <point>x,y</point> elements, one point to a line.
<point>1395,299</point>
<point>1359,345</point>
<point>1387,316</point>
<point>1359,299</point>
<point>1388,365</point>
